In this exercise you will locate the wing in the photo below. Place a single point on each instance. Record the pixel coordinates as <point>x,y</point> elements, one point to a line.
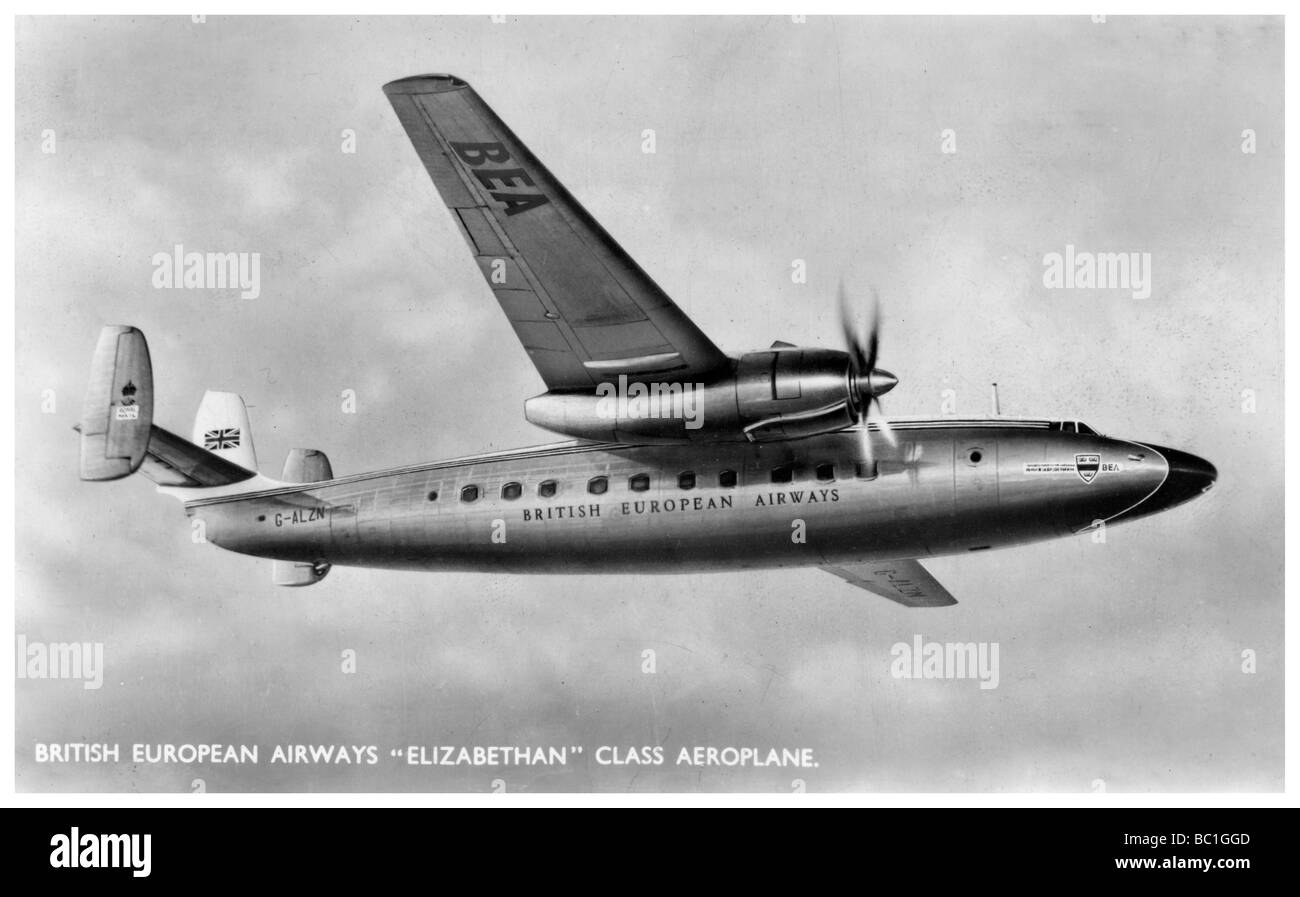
<point>906,582</point>
<point>584,310</point>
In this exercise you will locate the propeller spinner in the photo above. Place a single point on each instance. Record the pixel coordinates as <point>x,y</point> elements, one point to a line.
<point>868,382</point>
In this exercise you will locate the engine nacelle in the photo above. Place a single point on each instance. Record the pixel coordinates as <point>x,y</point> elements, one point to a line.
<point>775,394</point>
<point>303,466</point>
<point>306,466</point>
<point>793,393</point>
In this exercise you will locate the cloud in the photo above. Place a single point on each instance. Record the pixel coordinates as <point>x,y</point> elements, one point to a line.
<point>774,142</point>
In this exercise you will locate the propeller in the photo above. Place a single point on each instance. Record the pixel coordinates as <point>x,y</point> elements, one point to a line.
<point>867,382</point>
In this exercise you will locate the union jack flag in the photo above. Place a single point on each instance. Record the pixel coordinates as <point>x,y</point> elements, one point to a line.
<point>216,440</point>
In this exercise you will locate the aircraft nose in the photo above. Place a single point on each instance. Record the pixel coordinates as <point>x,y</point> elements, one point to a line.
<point>1188,477</point>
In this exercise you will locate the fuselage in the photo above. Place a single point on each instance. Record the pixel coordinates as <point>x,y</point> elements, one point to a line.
<point>945,487</point>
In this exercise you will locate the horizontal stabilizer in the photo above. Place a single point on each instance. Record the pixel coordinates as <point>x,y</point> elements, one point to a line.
<point>173,461</point>
<point>906,582</point>
<point>118,410</point>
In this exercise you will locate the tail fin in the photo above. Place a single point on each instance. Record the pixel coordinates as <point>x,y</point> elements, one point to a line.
<point>221,427</point>
<point>118,436</point>
<point>117,414</point>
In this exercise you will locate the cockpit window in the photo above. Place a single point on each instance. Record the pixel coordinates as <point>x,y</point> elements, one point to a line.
<point>1075,426</point>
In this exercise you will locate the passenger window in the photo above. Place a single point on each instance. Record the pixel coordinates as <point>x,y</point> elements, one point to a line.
<point>825,472</point>
<point>598,485</point>
<point>865,471</point>
<point>546,489</point>
<point>727,479</point>
<point>469,493</point>
<point>783,474</point>
<point>686,479</point>
<point>511,491</point>
<point>433,495</point>
<point>639,483</point>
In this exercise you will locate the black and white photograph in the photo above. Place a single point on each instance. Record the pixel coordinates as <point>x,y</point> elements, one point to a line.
<point>646,405</point>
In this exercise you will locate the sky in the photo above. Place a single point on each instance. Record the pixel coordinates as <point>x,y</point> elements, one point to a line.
<point>775,141</point>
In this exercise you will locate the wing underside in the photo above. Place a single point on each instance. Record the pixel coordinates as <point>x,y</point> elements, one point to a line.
<point>583,309</point>
<point>906,582</point>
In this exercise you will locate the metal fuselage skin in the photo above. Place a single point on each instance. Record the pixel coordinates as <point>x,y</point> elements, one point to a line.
<point>945,488</point>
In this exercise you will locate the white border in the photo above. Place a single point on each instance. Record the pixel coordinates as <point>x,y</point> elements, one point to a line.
<point>569,7</point>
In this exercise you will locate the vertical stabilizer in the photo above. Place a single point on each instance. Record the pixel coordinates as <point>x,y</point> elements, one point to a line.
<point>221,427</point>
<point>118,411</point>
